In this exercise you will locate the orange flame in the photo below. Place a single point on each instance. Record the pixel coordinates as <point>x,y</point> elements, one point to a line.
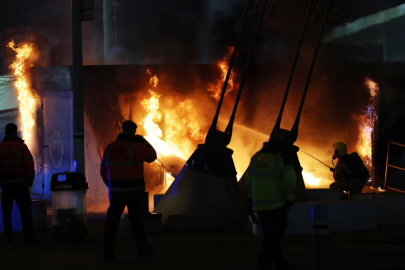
<point>216,88</point>
<point>311,181</point>
<point>27,102</point>
<point>182,128</point>
<point>366,126</point>
<point>372,86</point>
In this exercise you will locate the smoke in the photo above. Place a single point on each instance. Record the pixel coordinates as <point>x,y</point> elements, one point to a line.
<point>153,32</point>
<point>365,22</point>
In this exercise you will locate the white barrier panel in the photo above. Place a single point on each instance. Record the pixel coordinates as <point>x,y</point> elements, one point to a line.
<point>344,216</point>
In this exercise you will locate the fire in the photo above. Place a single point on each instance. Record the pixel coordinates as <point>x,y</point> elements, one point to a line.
<point>216,88</point>
<point>366,125</point>
<point>182,129</point>
<point>311,181</point>
<point>27,102</point>
<point>153,131</point>
<point>372,86</point>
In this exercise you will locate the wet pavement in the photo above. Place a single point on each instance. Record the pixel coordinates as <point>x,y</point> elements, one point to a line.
<point>235,249</point>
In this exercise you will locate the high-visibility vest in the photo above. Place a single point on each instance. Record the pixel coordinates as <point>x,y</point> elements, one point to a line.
<point>16,164</point>
<point>122,165</point>
<point>270,182</point>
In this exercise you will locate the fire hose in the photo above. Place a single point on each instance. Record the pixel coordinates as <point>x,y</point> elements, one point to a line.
<point>323,163</point>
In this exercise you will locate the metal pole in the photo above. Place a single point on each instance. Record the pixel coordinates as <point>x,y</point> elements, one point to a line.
<point>228,74</point>
<point>373,142</point>
<point>320,237</point>
<point>77,77</point>
<point>376,139</point>
<point>386,166</point>
<point>297,53</point>
<point>228,130</point>
<point>294,129</point>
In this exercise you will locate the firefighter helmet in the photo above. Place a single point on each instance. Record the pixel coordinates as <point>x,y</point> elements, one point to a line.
<point>339,149</point>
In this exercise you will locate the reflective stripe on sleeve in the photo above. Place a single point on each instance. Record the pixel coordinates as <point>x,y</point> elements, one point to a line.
<point>18,160</point>
<point>129,163</point>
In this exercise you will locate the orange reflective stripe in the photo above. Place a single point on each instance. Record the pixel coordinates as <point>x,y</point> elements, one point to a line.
<point>129,163</point>
<point>18,161</point>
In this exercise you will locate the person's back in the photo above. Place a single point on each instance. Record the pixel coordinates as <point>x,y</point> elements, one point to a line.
<point>122,171</point>
<point>273,172</point>
<point>16,163</point>
<point>122,164</point>
<point>271,182</point>
<point>17,174</point>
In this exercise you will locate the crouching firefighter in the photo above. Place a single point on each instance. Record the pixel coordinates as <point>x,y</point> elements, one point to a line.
<point>350,174</point>
<point>271,186</point>
<point>122,171</point>
<point>17,173</point>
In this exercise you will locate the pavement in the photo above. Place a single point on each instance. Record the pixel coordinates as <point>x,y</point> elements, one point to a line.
<point>232,249</point>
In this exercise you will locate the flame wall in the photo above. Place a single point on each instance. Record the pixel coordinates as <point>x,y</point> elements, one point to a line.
<point>334,97</point>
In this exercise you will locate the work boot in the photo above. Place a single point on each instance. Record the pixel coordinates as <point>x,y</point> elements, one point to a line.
<point>109,257</point>
<point>30,241</point>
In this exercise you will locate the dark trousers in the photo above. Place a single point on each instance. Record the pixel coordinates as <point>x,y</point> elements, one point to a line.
<point>354,186</point>
<point>274,224</point>
<point>22,198</point>
<point>135,203</point>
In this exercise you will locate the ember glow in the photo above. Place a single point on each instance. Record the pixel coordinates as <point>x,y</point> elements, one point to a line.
<point>215,89</point>
<point>27,102</point>
<point>366,125</point>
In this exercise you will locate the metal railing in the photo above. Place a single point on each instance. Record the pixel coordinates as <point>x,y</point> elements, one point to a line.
<point>392,166</point>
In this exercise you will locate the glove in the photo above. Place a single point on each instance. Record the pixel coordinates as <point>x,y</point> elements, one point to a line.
<point>332,169</point>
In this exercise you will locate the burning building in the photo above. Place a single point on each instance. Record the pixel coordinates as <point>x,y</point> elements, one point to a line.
<point>174,103</point>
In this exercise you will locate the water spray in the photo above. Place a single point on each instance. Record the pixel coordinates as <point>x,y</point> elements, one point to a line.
<point>316,159</point>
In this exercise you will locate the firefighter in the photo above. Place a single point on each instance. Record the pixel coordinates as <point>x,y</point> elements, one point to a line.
<point>271,186</point>
<point>345,177</point>
<point>17,174</point>
<point>122,172</point>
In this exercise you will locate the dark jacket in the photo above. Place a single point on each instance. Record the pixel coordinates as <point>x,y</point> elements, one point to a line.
<point>342,170</point>
<point>122,163</point>
<point>17,167</point>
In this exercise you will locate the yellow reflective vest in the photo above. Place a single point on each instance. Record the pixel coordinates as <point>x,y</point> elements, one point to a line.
<point>269,181</point>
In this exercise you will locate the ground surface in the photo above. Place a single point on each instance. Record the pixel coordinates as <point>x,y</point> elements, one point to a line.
<point>237,249</point>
